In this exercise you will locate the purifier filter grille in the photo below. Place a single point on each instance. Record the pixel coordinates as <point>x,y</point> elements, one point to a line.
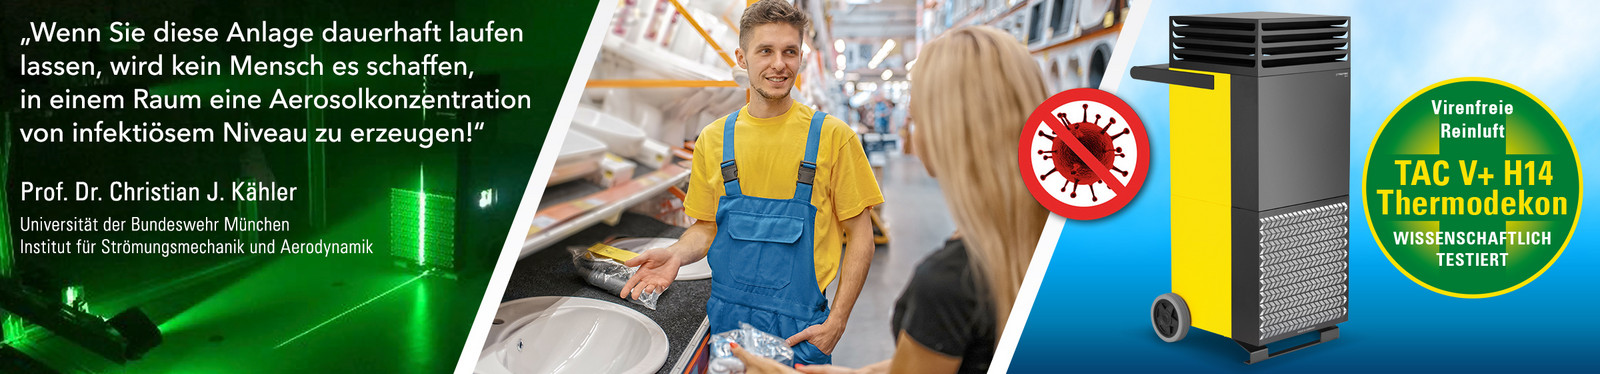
<point>1304,268</point>
<point>1258,43</point>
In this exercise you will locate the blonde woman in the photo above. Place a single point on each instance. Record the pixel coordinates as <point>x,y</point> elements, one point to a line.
<point>971,93</point>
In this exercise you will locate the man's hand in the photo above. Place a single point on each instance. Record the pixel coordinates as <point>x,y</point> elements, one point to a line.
<point>657,269</point>
<point>759,365</point>
<point>824,336</point>
<point>852,276</point>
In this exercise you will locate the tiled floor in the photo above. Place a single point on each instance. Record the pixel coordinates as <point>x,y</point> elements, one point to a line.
<point>918,221</point>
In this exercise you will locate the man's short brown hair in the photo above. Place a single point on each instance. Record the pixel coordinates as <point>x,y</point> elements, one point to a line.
<point>771,11</point>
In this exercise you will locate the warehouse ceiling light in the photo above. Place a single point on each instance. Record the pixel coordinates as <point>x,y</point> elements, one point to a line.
<point>838,45</point>
<point>838,74</point>
<point>888,45</point>
<point>887,74</point>
<point>840,60</point>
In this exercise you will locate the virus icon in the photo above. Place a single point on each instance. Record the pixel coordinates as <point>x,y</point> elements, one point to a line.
<point>1096,139</point>
<point>1103,143</point>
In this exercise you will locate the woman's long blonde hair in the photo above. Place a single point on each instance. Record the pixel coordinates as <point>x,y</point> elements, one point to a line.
<point>971,93</point>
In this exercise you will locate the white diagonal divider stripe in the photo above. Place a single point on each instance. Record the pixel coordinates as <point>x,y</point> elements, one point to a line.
<point>536,183</point>
<point>1055,226</point>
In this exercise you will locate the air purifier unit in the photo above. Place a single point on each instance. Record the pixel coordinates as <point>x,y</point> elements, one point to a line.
<point>1260,124</point>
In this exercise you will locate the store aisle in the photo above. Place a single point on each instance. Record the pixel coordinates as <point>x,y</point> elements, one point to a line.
<point>918,221</point>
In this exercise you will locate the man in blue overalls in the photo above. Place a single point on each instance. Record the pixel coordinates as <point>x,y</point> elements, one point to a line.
<point>775,207</point>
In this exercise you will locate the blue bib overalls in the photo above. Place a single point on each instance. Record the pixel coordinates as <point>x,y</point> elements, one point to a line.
<point>762,258</point>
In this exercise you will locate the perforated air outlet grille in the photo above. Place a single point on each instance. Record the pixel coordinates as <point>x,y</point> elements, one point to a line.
<point>1305,264</point>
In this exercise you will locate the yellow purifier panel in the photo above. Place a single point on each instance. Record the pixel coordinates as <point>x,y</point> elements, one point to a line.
<point>1202,248</point>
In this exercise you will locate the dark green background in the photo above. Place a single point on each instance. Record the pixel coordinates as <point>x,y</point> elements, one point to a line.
<point>277,313</point>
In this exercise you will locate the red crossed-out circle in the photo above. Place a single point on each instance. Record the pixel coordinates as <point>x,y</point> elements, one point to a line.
<point>1044,117</point>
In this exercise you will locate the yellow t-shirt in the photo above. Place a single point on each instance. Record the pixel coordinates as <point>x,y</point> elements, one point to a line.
<point>769,152</point>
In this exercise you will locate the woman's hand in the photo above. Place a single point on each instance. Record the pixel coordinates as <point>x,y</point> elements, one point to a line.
<point>825,369</point>
<point>759,365</point>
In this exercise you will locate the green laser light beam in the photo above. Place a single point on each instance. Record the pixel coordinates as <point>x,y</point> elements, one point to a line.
<point>352,309</point>
<point>7,261</point>
<point>422,215</point>
<point>421,226</point>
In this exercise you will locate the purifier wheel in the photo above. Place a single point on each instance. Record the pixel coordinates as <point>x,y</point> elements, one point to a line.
<point>1169,315</point>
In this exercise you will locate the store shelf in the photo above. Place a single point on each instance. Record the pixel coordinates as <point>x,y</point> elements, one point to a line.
<point>561,220</point>
<point>650,56</point>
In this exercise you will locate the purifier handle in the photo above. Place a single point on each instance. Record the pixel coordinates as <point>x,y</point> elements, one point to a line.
<point>1163,74</point>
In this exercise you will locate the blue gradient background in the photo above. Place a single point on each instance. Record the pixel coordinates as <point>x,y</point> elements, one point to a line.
<point>1092,313</point>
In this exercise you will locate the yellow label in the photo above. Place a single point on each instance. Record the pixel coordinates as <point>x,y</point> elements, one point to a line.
<point>619,254</point>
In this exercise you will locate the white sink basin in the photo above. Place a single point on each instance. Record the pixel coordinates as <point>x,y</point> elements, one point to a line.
<point>580,156</point>
<point>561,335</point>
<point>692,271</point>
<point>620,136</point>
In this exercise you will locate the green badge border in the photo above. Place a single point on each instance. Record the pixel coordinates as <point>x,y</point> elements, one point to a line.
<point>1577,162</point>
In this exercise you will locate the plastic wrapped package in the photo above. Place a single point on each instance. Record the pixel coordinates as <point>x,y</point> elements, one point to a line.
<point>752,340</point>
<point>609,275</point>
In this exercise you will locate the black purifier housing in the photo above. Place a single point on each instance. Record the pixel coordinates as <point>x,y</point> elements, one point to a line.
<point>1260,119</point>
